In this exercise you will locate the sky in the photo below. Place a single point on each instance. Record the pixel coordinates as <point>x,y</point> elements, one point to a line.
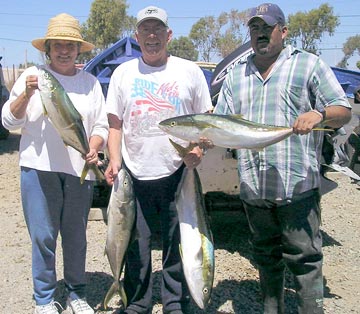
<point>21,21</point>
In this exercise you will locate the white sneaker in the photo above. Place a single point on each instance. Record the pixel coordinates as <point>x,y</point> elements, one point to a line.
<point>47,308</point>
<point>79,306</point>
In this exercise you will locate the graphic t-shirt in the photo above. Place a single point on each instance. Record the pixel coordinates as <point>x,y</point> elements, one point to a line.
<point>142,96</point>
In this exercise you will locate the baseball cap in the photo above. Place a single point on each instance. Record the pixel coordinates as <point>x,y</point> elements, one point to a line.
<point>152,12</point>
<point>270,13</point>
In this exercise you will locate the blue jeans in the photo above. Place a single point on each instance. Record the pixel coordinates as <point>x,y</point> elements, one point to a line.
<point>54,202</point>
<point>288,235</point>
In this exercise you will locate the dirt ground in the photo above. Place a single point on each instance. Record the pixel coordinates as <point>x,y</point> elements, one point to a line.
<point>236,286</point>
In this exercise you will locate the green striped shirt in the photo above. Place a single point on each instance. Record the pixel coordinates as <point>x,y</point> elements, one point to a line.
<point>298,82</point>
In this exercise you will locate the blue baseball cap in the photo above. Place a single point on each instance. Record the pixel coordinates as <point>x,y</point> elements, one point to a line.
<point>270,13</point>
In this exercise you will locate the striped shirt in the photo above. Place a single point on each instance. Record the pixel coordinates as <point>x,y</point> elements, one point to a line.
<point>298,82</point>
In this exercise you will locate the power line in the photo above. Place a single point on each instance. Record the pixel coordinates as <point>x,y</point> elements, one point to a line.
<point>32,14</point>
<point>11,39</point>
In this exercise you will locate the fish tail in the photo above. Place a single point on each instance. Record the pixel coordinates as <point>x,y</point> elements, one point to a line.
<point>325,129</point>
<point>84,173</point>
<point>322,126</point>
<point>183,151</point>
<point>114,289</point>
<point>98,173</point>
<point>180,149</point>
<point>122,294</point>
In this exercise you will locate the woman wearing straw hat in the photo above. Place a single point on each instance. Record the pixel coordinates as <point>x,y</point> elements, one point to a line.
<point>53,199</point>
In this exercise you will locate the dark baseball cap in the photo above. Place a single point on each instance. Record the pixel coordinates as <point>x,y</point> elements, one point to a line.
<point>270,13</point>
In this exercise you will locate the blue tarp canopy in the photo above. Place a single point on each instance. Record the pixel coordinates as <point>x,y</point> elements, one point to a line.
<point>348,79</point>
<point>103,65</point>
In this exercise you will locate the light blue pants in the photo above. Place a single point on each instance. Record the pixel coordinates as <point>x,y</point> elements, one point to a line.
<point>54,202</point>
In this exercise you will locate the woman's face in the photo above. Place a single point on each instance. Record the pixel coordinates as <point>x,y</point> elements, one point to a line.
<point>63,54</point>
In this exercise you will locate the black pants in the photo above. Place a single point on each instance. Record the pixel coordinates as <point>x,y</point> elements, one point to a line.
<point>155,206</point>
<point>288,236</point>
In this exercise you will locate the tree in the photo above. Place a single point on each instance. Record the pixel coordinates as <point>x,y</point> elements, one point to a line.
<point>233,36</point>
<point>106,23</point>
<point>308,28</point>
<point>184,48</point>
<point>218,36</point>
<point>204,34</point>
<point>351,46</point>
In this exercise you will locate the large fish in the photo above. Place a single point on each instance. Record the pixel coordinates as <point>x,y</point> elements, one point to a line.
<point>228,131</point>
<point>120,222</point>
<point>65,118</point>
<point>196,246</point>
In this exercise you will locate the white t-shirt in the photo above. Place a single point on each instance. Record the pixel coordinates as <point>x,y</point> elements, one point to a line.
<point>142,96</point>
<point>41,147</point>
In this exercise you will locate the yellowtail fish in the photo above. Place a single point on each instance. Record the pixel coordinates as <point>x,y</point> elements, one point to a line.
<point>228,131</point>
<point>196,246</point>
<point>65,118</point>
<point>120,223</point>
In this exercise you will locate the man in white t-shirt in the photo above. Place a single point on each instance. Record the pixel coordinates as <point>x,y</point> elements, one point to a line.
<point>142,92</point>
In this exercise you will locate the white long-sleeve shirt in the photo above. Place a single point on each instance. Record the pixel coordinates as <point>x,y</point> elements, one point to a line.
<point>41,147</point>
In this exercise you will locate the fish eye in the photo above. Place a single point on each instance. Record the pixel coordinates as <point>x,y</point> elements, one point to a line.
<point>205,290</point>
<point>173,123</point>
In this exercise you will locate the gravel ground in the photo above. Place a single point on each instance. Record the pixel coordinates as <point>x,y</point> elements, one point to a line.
<point>236,286</point>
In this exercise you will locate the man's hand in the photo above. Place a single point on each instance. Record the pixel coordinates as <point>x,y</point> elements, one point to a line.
<point>112,172</point>
<point>193,158</point>
<point>306,122</point>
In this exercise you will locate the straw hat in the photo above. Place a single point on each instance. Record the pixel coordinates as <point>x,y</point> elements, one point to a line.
<point>63,27</point>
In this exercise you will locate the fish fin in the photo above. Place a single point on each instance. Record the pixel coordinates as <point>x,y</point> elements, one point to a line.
<point>237,116</point>
<point>322,127</point>
<point>183,151</point>
<point>114,288</point>
<point>98,173</point>
<point>84,173</point>
<point>122,294</point>
<point>45,111</point>
<point>181,252</point>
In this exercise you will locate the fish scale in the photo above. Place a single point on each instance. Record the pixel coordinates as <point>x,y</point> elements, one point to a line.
<point>66,120</point>
<point>196,244</point>
<point>120,221</point>
<point>228,131</point>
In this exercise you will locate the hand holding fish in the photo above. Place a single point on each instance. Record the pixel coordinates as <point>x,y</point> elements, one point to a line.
<point>193,158</point>
<point>95,145</point>
<point>18,107</point>
<point>31,84</point>
<point>92,156</point>
<point>205,144</point>
<point>307,121</point>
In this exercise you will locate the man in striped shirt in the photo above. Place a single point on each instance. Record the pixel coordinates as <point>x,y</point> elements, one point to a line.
<point>284,86</point>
